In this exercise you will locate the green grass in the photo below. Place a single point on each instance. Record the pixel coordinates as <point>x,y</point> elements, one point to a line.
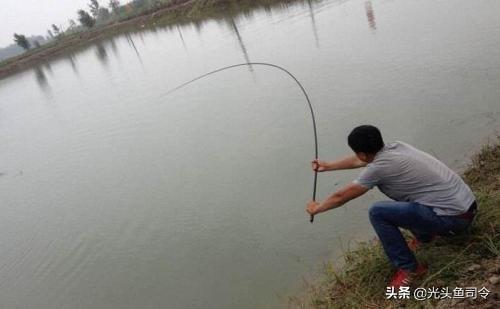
<point>362,280</point>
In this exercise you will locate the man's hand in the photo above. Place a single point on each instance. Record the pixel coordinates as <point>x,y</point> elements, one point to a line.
<point>319,166</point>
<point>337,199</point>
<point>312,207</point>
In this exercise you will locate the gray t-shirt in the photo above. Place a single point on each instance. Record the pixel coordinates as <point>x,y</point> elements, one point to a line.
<point>407,174</point>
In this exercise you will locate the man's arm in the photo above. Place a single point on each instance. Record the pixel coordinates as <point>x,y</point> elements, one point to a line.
<point>348,162</point>
<point>337,199</point>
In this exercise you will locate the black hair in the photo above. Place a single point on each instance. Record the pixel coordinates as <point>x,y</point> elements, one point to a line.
<point>365,138</point>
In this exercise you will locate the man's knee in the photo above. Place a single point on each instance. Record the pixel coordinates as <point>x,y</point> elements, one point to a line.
<point>377,210</point>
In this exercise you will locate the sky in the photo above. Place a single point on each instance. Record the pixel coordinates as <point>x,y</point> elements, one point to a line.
<point>30,17</point>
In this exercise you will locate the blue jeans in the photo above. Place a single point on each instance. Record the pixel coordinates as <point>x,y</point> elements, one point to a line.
<point>387,217</point>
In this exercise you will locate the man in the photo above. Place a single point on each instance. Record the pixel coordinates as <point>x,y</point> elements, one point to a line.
<point>429,198</point>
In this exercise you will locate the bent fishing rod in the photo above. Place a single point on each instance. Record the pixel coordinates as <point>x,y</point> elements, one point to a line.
<point>301,88</point>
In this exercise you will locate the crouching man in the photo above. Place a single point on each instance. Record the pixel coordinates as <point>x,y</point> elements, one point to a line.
<point>428,198</point>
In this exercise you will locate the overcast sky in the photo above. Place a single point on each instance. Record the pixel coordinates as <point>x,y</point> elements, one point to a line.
<point>31,17</point>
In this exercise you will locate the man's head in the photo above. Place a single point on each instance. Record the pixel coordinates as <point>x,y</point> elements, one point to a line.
<point>365,141</point>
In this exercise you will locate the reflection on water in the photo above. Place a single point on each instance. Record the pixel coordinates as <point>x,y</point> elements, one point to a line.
<point>141,36</point>
<point>114,48</point>
<point>102,54</point>
<point>313,21</point>
<point>370,15</point>
<point>48,67</point>
<point>72,61</point>
<point>198,25</point>
<point>130,41</point>
<point>182,38</point>
<point>234,28</point>
<point>41,78</point>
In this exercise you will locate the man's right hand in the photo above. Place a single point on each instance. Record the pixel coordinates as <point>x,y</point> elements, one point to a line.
<point>319,166</point>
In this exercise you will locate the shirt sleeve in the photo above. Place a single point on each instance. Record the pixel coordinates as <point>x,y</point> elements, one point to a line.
<point>369,177</point>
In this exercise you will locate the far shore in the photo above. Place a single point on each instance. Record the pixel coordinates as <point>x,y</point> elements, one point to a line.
<point>177,12</point>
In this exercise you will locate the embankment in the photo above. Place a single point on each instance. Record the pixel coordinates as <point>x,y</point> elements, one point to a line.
<point>470,261</point>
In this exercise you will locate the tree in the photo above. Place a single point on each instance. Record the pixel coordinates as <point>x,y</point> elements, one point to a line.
<point>103,14</point>
<point>72,24</point>
<point>51,35</point>
<point>21,40</point>
<point>85,19</point>
<point>138,3</point>
<point>114,5</point>
<point>37,44</point>
<point>94,8</point>
<point>56,29</point>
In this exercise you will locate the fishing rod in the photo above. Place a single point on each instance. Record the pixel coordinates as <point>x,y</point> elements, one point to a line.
<point>301,88</point>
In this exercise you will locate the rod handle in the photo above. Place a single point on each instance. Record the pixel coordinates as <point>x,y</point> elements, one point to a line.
<point>311,219</point>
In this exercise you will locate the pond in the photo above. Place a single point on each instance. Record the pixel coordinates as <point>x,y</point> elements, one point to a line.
<point>115,195</point>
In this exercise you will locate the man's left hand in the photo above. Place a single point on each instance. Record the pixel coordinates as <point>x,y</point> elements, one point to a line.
<point>312,207</point>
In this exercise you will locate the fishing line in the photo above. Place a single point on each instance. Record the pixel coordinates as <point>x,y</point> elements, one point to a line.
<point>301,88</point>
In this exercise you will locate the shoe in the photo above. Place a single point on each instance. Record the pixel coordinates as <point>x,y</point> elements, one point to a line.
<point>414,243</point>
<point>405,278</point>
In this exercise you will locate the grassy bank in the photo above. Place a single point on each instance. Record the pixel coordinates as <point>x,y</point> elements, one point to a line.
<point>471,260</point>
<point>176,12</point>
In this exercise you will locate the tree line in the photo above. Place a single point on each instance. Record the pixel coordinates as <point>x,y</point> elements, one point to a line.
<point>98,15</point>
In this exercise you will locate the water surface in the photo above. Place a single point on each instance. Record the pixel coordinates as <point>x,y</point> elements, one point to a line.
<point>114,195</point>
